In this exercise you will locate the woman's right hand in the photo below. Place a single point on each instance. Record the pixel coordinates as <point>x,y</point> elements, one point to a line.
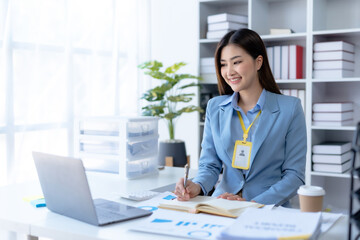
<point>191,190</point>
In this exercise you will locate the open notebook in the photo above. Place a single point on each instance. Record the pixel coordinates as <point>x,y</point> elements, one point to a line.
<point>211,205</point>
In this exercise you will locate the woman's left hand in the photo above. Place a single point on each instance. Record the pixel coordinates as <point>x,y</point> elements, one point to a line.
<point>231,196</point>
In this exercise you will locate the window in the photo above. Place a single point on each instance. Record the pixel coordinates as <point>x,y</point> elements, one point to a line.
<point>61,60</point>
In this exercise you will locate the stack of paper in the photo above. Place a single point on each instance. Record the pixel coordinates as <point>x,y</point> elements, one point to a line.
<point>270,224</point>
<point>333,114</point>
<point>276,31</point>
<point>332,157</point>
<point>334,59</point>
<point>286,62</point>
<point>220,24</point>
<point>207,65</point>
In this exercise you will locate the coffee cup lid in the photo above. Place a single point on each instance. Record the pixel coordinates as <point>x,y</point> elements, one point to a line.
<point>311,190</point>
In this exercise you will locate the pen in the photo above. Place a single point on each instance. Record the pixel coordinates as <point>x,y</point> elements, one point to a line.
<point>186,174</point>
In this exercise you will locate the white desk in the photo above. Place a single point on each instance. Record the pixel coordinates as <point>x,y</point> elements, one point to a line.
<point>19,216</point>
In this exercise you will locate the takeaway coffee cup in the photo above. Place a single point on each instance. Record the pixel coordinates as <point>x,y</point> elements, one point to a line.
<point>311,198</point>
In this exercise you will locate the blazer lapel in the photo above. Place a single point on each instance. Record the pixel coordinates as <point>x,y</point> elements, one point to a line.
<point>225,128</point>
<point>268,117</point>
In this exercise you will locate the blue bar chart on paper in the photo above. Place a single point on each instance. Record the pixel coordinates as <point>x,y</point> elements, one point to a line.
<point>181,224</point>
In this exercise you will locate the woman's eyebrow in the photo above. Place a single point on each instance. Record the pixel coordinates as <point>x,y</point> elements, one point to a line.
<point>238,56</point>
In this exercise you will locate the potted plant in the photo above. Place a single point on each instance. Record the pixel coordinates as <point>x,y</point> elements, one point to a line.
<point>164,101</point>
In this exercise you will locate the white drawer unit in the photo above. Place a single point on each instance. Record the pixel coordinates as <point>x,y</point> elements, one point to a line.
<point>127,146</point>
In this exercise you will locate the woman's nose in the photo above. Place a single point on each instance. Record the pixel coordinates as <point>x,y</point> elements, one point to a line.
<point>230,71</point>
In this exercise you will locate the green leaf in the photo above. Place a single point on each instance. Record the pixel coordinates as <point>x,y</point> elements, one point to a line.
<point>181,97</point>
<point>180,77</point>
<point>190,85</point>
<point>171,115</point>
<point>152,96</point>
<point>154,110</point>
<point>159,75</point>
<point>191,108</point>
<point>157,93</point>
<point>174,68</point>
<point>151,65</point>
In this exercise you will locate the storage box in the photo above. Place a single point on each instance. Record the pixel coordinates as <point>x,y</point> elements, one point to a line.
<point>127,146</point>
<point>142,167</point>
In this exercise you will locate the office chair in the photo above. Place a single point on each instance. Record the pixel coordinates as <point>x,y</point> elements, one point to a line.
<point>354,218</point>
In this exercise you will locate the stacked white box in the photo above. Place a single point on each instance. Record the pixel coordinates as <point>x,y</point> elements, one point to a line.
<point>332,157</point>
<point>124,145</point>
<point>207,65</point>
<point>220,24</point>
<point>333,114</point>
<point>333,59</point>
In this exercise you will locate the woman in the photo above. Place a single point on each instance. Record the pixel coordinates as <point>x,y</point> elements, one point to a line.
<point>252,132</point>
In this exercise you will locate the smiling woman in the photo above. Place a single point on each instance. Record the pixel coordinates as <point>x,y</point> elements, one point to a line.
<point>252,133</point>
<point>239,71</point>
<point>62,60</point>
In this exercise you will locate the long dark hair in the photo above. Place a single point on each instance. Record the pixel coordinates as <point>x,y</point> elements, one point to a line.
<point>251,42</point>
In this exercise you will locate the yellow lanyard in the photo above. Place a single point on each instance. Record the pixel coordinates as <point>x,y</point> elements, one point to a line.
<point>246,131</point>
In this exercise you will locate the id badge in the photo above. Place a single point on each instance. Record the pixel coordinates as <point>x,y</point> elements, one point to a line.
<point>242,153</point>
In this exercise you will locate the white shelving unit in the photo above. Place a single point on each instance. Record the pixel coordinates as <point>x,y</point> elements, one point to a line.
<point>312,21</point>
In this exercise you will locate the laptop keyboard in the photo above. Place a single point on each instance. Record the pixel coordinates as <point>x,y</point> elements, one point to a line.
<point>109,206</point>
<point>107,216</point>
<point>109,211</point>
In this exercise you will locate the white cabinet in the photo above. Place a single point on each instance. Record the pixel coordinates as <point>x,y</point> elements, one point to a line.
<point>312,21</point>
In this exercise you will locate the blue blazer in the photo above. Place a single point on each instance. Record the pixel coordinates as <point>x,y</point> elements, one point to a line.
<point>278,155</point>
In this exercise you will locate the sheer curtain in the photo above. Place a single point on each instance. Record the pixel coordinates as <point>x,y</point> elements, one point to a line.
<point>63,59</point>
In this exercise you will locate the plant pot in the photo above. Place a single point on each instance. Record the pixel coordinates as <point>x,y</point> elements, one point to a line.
<point>172,148</point>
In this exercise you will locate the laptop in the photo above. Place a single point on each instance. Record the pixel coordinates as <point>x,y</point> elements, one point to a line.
<point>66,192</point>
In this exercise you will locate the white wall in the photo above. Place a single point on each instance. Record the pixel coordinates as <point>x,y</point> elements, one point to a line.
<point>174,38</point>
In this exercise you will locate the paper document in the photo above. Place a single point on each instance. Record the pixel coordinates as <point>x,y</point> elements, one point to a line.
<point>184,225</point>
<point>271,224</point>
<point>327,219</point>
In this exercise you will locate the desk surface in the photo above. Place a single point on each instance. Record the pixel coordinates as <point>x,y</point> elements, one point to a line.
<point>19,216</point>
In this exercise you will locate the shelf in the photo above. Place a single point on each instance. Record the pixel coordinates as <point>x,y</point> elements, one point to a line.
<point>341,128</point>
<point>332,15</point>
<point>217,3</point>
<point>267,38</point>
<point>352,32</point>
<point>290,81</point>
<point>312,21</point>
<point>278,14</point>
<point>328,174</point>
<point>354,79</point>
<point>284,37</point>
<point>205,40</point>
